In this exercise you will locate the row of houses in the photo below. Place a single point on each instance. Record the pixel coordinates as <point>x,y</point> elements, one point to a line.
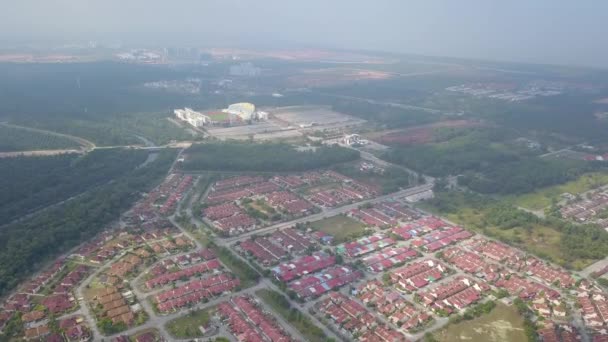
<point>418,274</point>
<point>278,245</point>
<point>194,292</point>
<point>317,284</point>
<point>302,266</point>
<point>458,293</point>
<point>365,245</point>
<point>184,274</point>
<point>392,305</point>
<point>248,323</point>
<point>115,305</point>
<point>388,257</point>
<point>354,321</point>
<point>439,239</point>
<point>585,209</point>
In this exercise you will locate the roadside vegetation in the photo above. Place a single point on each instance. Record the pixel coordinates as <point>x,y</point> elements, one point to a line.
<point>27,245</point>
<point>247,275</point>
<point>264,157</point>
<point>280,304</point>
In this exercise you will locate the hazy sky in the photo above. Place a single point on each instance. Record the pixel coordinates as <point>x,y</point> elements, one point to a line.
<point>542,31</point>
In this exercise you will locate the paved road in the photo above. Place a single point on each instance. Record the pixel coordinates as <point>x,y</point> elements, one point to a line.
<point>372,158</point>
<point>327,213</point>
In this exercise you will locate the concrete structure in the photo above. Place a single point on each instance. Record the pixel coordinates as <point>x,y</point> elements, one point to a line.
<point>354,139</point>
<point>192,117</point>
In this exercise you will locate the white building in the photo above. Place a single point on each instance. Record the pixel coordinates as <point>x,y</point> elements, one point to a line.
<point>245,69</point>
<point>192,117</point>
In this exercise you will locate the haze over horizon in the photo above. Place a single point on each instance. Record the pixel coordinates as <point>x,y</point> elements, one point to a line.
<point>543,31</point>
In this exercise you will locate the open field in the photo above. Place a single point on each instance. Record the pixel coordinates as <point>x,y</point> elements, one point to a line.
<point>538,239</point>
<point>187,326</point>
<point>339,226</point>
<point>335,76</point>
<point>503,324</point>
<point>542,198</point>
<point>318,115</point>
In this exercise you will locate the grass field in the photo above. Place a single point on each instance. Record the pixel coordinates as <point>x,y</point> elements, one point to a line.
<point>542,198</point>
<point>218,116</point>
<point>340,227</point>
<point>503,324</point>
<point>187,326</point>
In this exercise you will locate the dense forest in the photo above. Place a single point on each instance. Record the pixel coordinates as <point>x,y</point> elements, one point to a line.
<point>264,157</point>
<point>103,102</point>
<point>28,244</point>
<point>31,183</point>
<point>473,151</point>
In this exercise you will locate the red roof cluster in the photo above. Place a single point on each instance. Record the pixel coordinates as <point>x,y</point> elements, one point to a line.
<point>249,323</point>
<point>439,239</point>
<point>317,284</point>
<point>458,293</point>
<point>184,273</point>
<point>356,319</point>
<point>526,289</point>
<point>194,292</point>
<point>289,202</point>
<point>391,304</point>
<point>388,257</point>
<point>418,274</point>
<point>307,264</point>
<point>221,211</point>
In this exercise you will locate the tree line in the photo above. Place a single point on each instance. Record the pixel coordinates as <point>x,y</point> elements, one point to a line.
<point>26,245</point>
<point>265,157</point>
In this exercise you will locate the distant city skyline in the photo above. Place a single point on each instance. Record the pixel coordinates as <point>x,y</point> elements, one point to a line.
<point>542,31</point>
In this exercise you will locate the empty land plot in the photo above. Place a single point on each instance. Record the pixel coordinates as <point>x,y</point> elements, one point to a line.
<point>340,227</point>
<point>503,324</point>
<point>187,326</point>
<point>542,198</point>
<point>319,115</point>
